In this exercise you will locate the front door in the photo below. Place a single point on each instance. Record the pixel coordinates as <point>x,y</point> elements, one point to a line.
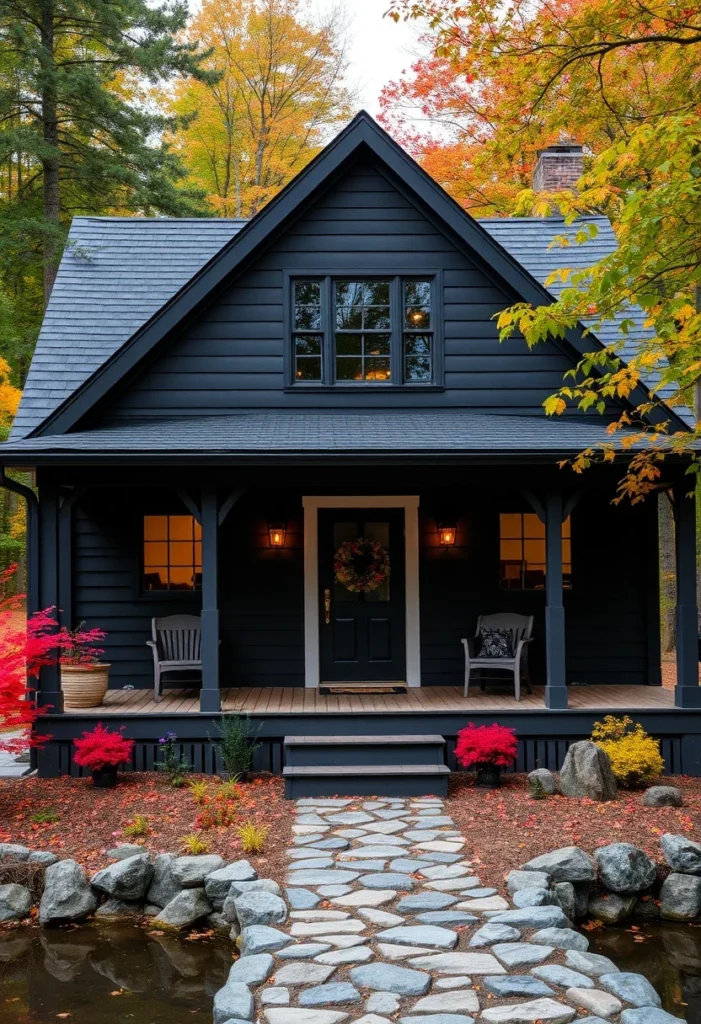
<point>362,595</point>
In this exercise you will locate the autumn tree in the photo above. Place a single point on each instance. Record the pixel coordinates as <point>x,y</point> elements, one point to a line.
<point>622,79</point>
<point>279,96</point>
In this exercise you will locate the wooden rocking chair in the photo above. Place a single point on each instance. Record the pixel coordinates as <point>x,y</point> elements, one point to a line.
<point>176,646</point>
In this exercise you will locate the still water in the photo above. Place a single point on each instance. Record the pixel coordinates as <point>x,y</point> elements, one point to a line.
<point>669,955</point>
<point>108,975</point>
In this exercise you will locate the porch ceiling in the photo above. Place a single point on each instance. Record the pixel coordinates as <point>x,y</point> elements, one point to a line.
<point>309,434</point>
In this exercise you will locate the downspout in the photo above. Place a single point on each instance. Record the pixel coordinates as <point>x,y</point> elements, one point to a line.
<point>32,538</point>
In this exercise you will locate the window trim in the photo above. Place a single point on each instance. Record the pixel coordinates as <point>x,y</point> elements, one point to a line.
<point>395,276</point>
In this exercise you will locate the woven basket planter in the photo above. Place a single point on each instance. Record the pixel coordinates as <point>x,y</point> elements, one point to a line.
<point>84,686</point>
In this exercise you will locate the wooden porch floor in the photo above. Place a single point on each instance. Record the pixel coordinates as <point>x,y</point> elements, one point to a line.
<point>280,700</point>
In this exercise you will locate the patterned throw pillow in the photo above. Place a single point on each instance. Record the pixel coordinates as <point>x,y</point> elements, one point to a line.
<point>496,643</point>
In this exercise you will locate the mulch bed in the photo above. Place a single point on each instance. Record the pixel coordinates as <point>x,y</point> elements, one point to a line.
<point>91,821</point>
<point>504,828</point>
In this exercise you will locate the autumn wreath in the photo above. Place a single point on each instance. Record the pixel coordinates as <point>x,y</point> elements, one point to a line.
<point>361,565</point>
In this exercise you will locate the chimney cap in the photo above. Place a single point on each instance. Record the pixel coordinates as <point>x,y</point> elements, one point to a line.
<point>562,147</point>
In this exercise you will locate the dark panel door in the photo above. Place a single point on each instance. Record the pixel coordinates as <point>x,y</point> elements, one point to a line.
<point>362,632</point>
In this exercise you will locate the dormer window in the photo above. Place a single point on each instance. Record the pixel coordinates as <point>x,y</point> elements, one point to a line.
<point>362,331</point>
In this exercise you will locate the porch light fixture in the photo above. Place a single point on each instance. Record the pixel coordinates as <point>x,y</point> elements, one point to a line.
<point>446,534</point>
<point>276,533</point>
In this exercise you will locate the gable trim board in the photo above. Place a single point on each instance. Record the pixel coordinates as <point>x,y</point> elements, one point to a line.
<point>361,137</point>
<point>312,624</point>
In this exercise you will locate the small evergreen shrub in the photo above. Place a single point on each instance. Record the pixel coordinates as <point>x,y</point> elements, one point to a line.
<point>635,756</point>
<point>237,743</point>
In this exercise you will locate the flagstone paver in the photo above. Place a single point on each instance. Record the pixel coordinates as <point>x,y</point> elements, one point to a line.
<point>388,919</point>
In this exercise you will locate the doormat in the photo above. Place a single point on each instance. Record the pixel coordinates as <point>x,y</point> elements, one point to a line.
<point>369,686</point>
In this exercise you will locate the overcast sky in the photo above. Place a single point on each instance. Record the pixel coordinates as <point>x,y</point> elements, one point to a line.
<point>380,48</point>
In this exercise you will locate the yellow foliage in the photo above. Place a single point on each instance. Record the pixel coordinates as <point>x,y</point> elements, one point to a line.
<point>9,395</point>
<point>635,756</point>
<point>253,837</point>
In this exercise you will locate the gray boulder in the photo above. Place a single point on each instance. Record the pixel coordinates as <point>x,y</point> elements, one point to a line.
<point>163,887</point>
<point>126,879</point>
<point>125,850</point>
<point>611,908</point>
<point>663,796</point>
<point>564,891</point>
<point>546,779</point>
<point>15,902</point>
<point>234,1000</point>
<point>115,909</point>
<point>623,868</point>
<point>516,880</point>
<point>261,939</point>
<point>581,898</point>
<point>260,908</point>
<point>13,852</point>
<point>218,883</point>
<point>218,923</point>
<point>647,1015</point>
<point>680,897</point>
<point>67,894</point>
<point>681,854</point>
<point>536,898</point>
<point>631,988</point>
<point>568,864</point>
<point>587,772</point>
<point>252,970</point>
<point>239,888</point>
<point>43,857</point>
<point>184,909</point>
<point>190,872</point>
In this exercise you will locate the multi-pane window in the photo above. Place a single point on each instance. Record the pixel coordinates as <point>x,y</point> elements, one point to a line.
<point>522,551</point>
<point>306,336</point>
<point>363,330</point>
<point>172,553</point>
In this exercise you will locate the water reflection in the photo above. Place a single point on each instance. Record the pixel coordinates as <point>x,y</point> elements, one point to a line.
<point>669,955</point>
<point>109,975</point>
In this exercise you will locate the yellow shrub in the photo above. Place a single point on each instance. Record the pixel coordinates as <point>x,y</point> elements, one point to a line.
<point>635,756</point>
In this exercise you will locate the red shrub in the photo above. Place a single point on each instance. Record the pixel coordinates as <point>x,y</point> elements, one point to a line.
<point>101,748</point>
<point>486,744</point>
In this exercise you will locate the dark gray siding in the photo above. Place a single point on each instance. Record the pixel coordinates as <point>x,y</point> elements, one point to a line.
<point>611,612</point>
<point>232,358</point>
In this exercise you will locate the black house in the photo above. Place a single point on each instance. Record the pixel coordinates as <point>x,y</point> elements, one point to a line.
<point>217,411</point>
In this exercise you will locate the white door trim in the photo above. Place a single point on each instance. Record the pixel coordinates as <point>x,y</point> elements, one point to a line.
<point>311,505</point>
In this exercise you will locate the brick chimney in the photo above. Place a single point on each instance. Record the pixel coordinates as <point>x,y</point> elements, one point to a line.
<point>558,167</point>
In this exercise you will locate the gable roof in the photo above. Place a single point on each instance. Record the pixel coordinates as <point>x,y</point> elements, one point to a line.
<point>363,136</point>
<point>115,274</point>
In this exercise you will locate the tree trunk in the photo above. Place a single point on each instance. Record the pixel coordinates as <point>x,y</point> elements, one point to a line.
<point>668,574</point>
<point>50,162</point>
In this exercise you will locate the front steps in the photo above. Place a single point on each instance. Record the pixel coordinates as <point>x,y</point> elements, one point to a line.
<point>365,766</point>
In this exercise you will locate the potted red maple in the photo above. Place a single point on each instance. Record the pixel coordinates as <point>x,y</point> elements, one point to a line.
<point>101,751</point>
<point>84,679</point>
<point>488,749</point>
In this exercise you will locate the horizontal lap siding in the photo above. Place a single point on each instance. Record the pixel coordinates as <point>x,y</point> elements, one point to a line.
<point>261,590</point>
<point>232,358</point>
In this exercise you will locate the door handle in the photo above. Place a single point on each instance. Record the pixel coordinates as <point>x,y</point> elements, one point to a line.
<point>327,606</point>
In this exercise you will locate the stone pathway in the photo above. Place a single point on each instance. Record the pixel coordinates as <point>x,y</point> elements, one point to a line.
<point>10,766</point>
<point>387,919</point>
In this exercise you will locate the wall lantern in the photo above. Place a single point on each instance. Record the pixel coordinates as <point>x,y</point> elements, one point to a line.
<point>446,534</point>
<point>276,533</point>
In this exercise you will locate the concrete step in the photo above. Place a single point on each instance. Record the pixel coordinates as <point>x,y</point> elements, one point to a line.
<point>352,751</point>
<point>366,780</point>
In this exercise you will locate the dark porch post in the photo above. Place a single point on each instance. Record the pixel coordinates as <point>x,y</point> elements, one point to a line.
<point>556,688</point>
<point>687,693</point>
<point>49,686</point>
<point>210,698</point>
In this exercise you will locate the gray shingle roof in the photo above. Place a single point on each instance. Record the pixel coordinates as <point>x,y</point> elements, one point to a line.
<point>396,432</point>
<point>116,272</point>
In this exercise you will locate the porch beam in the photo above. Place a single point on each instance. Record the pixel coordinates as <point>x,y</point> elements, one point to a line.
<point>556,687</point>
<point>210,696</point>
<point>48,692</point>
<point>687,692</point>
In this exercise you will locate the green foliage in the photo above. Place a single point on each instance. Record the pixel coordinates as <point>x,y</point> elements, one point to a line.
<point>237,743</point>
<point>635,757</point>
<point>171,761</point>
<point>139,826</point>
<point>536,790</point>
<point>44,817</point>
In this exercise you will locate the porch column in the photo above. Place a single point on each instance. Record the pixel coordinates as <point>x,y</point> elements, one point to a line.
<point>49,686</point>
<point>556,688</point>
<point>687,693</point>
<point>210,698</point>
